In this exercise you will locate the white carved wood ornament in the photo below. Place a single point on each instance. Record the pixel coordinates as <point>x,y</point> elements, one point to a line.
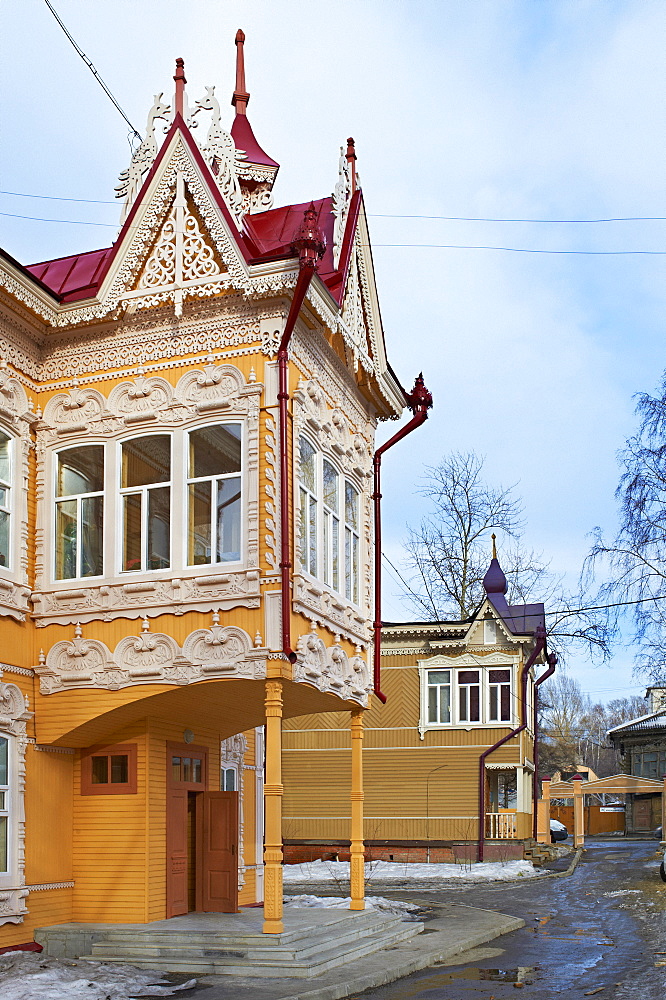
<point>16,419</point>
<point>14,715</point>
<point>151,658</point>
<point>329,669</point>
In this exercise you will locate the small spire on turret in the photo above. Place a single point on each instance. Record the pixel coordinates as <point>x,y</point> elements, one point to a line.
<point>494,538</point>
<point>180,81</point>
<point>351,160</point>
<point>240,97</point>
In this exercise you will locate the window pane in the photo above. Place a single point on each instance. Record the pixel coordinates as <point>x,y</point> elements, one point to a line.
<point>92,526</point>
<point>4,823</point>
<point>351,506</point>
<point>159,522</point>
<point>505,702</point>
<point>4,754</point>
<point>175,768</point>
<point>499,676</point>
<point>468,676</point>
<point>303,530</point>
<point>100,770</point>
<point>330,486</point>
<point>146,460</point>
<point>355,569</point>
<point>439,677</point>
<point>432,705</point>
<point>2,801</point>
<point>336,554</point>
<point>462,693</point>
<point>66,540</point>
<point>80,470</point>
<point>4,538</point>
<point>312,531</point>
<point>187,768</point>
<point>474,714</point>
<point>196,770</point>
<point>307,464</point>
<point>444,704</point>
<point>326,546</point>
<point>493,703</point>
<point>228,519</point>
<point>132,531</point>
<point>119,769</point>
<point>348,565</point>
<point>215,450</point>
<point>4,496</point>
<point>198,538</point>
<point>5,471</point>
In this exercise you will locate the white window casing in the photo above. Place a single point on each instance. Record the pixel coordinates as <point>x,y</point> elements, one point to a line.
<point>16,444</point>
<point>13,743</point>
<point>468,692</point>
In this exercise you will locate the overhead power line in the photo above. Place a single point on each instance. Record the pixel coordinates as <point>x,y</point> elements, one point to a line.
<point>92,69</point>
<point>567,222</point>
<point>53,197</point>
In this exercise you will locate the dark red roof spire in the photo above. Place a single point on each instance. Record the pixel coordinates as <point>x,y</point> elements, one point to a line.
<point>241,96</point>
<point>180,81</point>
<point>351,160</point>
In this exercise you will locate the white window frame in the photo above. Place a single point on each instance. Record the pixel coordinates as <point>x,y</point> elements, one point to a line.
<point>9,508</point>
<point>213,480</point>
<point>13,729</point>
<point>56,500</point>
<point>144,492</point>
<point>464,662</point>
<point>347,533</point>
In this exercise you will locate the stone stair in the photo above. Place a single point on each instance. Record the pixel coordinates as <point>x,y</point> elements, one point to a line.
<point>319,941</point>
<point>538,853</point>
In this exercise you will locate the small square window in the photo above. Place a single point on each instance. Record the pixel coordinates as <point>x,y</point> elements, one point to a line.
<point>109,770</point>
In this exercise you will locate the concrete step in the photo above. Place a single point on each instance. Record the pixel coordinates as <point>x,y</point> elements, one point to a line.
<point>317,952</point>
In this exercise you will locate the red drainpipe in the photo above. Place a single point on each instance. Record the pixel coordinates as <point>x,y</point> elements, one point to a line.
<point>419,402</point>
<point>540,635</point>
<point>310,245</point>
<point>552,662</point>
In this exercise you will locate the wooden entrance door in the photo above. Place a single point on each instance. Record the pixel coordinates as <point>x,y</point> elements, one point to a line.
<point>176,850</point>
<point>642,814</point>
<point>217,835</point>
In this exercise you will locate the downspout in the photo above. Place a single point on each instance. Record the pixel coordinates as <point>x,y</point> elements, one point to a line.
<point>310,244</point>
<point>419,402</point>
<point>540,635</point>
<point>552,662</point>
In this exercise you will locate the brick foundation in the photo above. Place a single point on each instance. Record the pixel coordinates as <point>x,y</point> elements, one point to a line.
<point>418,852</point>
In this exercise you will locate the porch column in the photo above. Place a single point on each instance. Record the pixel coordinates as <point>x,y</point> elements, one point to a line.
<point>273,810</point>
<point>579,812</point>
<point>357,854</point>
<point>543,813</point>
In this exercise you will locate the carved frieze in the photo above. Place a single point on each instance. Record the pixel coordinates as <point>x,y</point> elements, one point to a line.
<point>330,669</point>
<point>151,658</point>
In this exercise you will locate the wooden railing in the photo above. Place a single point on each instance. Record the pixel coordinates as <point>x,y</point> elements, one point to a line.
<point>501,826</point>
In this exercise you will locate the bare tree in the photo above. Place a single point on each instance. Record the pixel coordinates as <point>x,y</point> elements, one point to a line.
<point>634,562</point>
<point>449,553</point>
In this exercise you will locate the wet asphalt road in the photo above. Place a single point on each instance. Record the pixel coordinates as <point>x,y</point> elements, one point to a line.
<point>600,932</point>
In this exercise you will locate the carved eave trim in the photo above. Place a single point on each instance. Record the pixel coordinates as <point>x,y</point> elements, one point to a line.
<point>27,291</point>
<point>151,658</point>
<point>330,670</point>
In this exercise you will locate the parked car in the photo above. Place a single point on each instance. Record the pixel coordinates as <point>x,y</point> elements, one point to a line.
<point>657,833</point>
<point>558,831</point>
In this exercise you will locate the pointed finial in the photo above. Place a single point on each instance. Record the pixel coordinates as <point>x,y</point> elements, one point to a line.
<point>309,242</point>
<point>351,160</point>
<point>78,631</point>
<point>145,625</point>
<point>494,538</point>
<point>241,97</point>
<point>420,398</point>
<point>180,81</point>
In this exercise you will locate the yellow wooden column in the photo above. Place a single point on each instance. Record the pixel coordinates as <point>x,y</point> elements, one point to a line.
<point>543,813</point>
<point>357,854</point>
<point>273,810</point>
<point>579,811</point>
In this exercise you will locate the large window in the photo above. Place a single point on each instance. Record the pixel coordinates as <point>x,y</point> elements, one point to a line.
<point>79,512</point>
<point>146,492</point>
<point>648,764</point>
<point>214,495</point>
<point>329,523</point>
<point>465,696</point>
<point>5,499</point>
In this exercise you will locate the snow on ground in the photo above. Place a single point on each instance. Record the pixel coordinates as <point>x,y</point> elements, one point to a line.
<point>27,975</point>
<point>393,871</point>
<point>395,906</point>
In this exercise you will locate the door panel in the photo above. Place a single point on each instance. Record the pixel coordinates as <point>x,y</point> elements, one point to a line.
<point>176,850</point>
<point>217,828</point>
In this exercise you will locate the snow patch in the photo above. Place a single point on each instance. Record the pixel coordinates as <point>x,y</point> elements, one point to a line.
<point>31,976</point>
<point>394,906</point>
<point>392,871</point>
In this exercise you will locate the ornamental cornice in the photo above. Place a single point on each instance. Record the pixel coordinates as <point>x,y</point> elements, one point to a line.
<point>151,658</point>
<point>329,669</point>
<point>314,601</point>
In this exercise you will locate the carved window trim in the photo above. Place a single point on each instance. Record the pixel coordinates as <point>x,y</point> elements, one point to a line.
<point>15,421</point>
<point>13,718</point>
<point>467,662</point>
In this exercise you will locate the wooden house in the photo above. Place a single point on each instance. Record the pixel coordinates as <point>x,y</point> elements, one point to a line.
<point>642,746</point>
<point>187,424</point>
<point>449,759</point>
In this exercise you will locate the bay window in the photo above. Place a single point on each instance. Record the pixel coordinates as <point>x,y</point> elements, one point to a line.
<point>79,511</point>
<point>328,523</point>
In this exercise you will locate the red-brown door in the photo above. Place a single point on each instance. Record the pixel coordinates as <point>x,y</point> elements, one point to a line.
<point>176,848</point>
<point>642,814</point>
<point>217,835</point>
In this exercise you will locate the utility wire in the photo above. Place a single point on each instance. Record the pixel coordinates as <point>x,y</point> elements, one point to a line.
<point>92,69</point>
<point>469,218</point>
<point>52,197</point>
<point>440,246</point>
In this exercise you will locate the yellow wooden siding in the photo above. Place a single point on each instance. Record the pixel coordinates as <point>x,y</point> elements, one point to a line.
<point>45,907</point>
<point>48,816</point>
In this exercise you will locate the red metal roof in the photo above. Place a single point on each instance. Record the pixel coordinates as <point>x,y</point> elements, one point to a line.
<point>243,136</point>
<point>74,277</point>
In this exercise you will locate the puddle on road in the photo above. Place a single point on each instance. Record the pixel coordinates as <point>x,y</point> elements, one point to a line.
<point>519,975</point>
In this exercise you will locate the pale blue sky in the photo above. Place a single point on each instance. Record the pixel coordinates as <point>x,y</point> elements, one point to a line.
<point>534,109</point>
